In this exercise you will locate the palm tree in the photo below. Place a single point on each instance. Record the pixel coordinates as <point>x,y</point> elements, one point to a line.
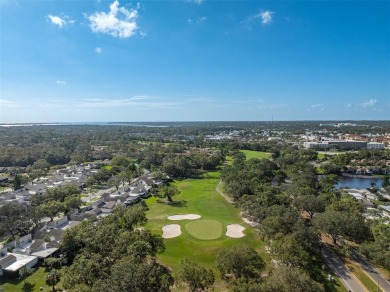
<point>52,279</point>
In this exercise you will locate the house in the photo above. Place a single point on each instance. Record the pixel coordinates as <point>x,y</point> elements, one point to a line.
<point>19,243</point>
<point>11,263</point>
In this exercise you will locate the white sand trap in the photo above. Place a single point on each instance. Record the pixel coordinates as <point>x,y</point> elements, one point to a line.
<point>184,217</point>
<point>171,231</point>
<point>235,231</point>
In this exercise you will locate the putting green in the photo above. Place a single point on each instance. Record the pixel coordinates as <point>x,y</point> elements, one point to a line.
<point>204,229</point>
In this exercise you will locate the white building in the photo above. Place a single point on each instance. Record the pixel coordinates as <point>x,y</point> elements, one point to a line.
<point>316,145</point>
<point>13,262</point>
<point>375,145</point>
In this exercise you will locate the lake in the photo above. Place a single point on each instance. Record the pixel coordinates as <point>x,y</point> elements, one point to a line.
<point>358,182</point>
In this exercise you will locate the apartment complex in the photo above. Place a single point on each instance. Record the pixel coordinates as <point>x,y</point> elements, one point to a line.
<point>343,145</point>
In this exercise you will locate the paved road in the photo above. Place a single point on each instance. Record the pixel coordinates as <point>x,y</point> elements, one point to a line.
<point>341,271</point>
<point>369,269</point>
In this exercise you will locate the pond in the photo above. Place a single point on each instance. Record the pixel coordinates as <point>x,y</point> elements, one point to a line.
<point>358,182</point>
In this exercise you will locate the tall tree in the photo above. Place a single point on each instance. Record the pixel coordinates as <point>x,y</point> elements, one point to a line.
<point>290,279</point>
<point>52,278</point>
<point>17,182</point>
<point>196,277</point>
<point>168,192</point>
<point>242,261</point>
<point>310,204</point>
<point>14,219</point>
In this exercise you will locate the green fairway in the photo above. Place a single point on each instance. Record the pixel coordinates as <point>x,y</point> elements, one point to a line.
<point>198,196</point>
<point>255,154</point>
<point>204,229</point>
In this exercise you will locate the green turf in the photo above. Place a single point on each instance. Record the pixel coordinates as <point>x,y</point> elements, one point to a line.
<point>198,196</point>
<point>204,229</point>
<point>36,280</point>
<point>321,156</point>
<point>255,154</point>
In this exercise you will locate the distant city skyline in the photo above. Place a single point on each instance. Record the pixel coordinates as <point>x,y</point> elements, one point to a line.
<point>194,60</point>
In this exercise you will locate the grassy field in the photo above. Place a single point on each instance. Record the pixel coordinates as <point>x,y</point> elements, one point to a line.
<point>198,196</point>
<point>255,154</point>
<point>36,280</point>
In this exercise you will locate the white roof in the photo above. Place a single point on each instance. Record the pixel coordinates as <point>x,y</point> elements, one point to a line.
<point>44,253</point>
<point>21,261</point>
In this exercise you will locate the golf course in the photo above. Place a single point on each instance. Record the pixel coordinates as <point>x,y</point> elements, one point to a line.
<point>200,239</point>
<point>249,154</point>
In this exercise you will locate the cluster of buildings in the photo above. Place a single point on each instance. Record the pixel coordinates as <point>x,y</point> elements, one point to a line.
<point>366,198</point>
<point>76,175</point>
<point>343,145</point>
<point>28,250</point>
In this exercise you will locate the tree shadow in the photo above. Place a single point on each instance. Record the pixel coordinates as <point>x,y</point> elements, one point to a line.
<point>180,203</point>
<point>28,287</point>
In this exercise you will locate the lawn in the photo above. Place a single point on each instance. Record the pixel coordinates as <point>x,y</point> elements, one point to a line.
<point>198,196</point>
<point>321,156</point>
<point>36,281</point>
<point>255,154</point>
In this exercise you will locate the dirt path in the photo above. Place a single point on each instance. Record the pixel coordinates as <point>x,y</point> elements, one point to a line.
<point>231,201</point>
<point>227,198</point>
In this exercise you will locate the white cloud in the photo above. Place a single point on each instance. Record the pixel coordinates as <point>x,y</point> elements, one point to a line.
<point>134,102</point>
<point>195,1</point>
<point>119,22</point>
<point>266,16</point>
<point>8,103</point>
<point>369,103</point>
<point>98,50</point>
<point>143,34</point>
<point>201,19</point>
<point>141,97</point>
<point>318,106</point>
<point>60,21</point>
<point>272,106</point>
<point>61,82</point>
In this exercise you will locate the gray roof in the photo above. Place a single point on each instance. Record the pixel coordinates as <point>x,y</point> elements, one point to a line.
<point>7,260</point>
<point>37,244</point>
<point>109,205</point>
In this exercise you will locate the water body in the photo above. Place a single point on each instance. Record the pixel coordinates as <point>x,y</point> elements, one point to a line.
<point>86,124</point>
<point>357,182</point>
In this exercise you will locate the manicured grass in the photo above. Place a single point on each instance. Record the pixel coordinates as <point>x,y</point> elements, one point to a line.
<point>229,160</point>
<point>363,277</point>
<point>256,154</point>
<point>204,229</point>
<point>321,155</point>
<point>198,196</point>
<point>36,280</point>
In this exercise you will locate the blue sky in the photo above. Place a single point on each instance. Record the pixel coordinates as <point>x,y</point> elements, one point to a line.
<point>189,60</point>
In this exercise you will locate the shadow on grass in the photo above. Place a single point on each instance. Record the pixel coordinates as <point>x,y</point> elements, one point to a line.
<point>28,287</point>
<point>181,203</point>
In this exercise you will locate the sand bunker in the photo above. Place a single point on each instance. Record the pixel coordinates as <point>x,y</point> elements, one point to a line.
<point>235,230</point>
<point>184,217</point>
<point>171,231</point>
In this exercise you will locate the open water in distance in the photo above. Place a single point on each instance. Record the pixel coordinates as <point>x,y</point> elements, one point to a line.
<point>356,182</point>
